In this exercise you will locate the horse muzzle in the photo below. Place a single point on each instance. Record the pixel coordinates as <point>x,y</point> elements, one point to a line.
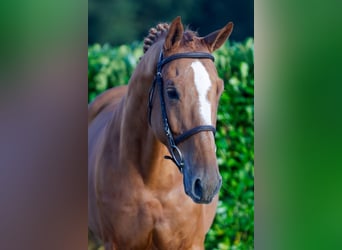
<point>202,190</point>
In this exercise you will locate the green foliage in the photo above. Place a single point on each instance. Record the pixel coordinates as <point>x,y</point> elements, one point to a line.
<point>110,66</point>
<point>233,228</point>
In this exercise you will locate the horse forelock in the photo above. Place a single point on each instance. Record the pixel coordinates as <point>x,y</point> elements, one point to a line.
<point>160,31</point>
<point>188,35</point>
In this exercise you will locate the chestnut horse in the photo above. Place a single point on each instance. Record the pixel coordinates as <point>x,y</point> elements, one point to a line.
<point>153,174</point>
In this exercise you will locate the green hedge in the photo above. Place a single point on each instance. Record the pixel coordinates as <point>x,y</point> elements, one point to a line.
<point>233,227</point>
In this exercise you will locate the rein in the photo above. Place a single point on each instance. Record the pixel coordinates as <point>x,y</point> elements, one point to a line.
<point>176,154</point>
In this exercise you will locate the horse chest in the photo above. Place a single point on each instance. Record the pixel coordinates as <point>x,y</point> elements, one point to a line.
<point>170,222</point>
<point>179,228</point>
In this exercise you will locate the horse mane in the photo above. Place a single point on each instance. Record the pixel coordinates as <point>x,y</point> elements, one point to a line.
<point>160,31</point>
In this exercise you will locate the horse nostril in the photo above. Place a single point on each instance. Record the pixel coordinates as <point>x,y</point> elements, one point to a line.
<point>198,190</point>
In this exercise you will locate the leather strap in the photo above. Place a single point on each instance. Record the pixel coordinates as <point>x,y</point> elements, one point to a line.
<point>193,131</point>
<point>198,55</point>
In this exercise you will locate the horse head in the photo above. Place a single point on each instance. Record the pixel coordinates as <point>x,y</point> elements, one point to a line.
<point>189,90</point>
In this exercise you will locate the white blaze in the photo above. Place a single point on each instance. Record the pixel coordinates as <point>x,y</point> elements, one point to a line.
<point>203,84</point>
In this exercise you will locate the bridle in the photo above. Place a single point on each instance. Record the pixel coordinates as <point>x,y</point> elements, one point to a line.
<point>176,154</point>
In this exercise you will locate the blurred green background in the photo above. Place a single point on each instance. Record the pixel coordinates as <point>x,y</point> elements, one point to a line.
<point>123,21</point>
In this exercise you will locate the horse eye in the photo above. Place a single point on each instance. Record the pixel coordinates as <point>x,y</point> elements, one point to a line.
<point>172,94</point>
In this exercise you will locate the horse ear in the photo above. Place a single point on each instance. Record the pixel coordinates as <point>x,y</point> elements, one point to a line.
<point>215,39</point>
<point>175,34</point>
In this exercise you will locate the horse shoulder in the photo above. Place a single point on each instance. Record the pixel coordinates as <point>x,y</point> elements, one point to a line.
<point>100,113</point>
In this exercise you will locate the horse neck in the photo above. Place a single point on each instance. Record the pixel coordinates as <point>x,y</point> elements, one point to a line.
<point>138,144</point>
